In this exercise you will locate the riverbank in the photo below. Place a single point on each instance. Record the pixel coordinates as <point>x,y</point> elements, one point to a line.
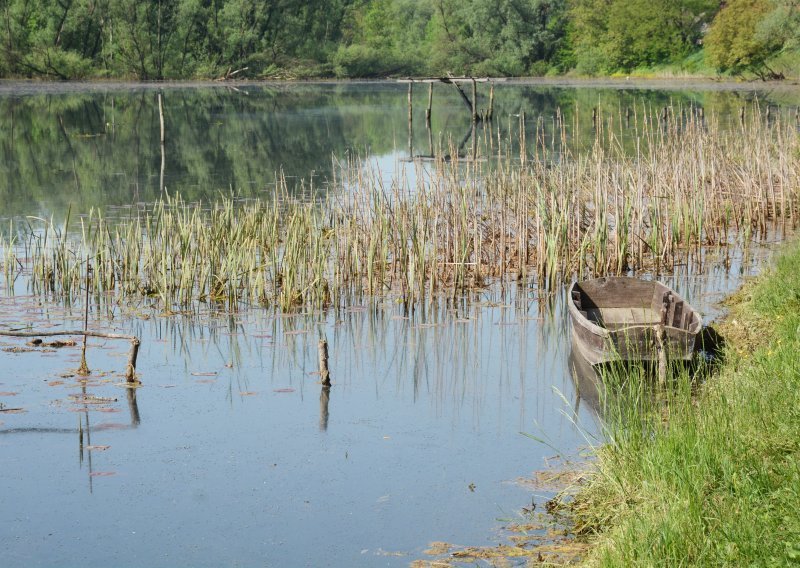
<point>712,477</point>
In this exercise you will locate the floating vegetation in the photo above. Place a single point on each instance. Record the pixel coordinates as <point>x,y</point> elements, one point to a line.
<point>531,542</point>
<point>641,198</point>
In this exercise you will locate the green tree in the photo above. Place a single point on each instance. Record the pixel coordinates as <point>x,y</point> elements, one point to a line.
<point>143,36</point>
<point>384,37</point>
<point>781,25</point>
<point>734,43</point>
<point>500,37</point>
<point>611,35</point>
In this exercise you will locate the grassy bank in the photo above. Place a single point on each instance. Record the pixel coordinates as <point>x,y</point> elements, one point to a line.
<point>712,477</point>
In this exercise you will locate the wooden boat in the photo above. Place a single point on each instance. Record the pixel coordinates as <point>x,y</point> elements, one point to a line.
<point>619,318</point>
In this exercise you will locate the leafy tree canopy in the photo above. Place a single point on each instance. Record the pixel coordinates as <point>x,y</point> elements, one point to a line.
<point>158,39</point>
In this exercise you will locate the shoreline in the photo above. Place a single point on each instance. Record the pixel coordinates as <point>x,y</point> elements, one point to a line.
<point>708,487</point>
<point>707,84</point>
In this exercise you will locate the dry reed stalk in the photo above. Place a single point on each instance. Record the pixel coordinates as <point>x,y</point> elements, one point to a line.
<point>544,210</point>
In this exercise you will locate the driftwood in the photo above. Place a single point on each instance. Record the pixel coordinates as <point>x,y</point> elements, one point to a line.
<point>230,73</point>
<point>130,370</point>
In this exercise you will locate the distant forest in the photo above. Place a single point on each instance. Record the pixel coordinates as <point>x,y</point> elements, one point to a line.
<point>183,39</point>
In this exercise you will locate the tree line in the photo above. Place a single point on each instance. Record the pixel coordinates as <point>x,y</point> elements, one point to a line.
<point>165,39</point>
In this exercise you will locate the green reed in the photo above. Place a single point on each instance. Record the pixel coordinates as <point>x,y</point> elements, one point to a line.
<point>642,197</point>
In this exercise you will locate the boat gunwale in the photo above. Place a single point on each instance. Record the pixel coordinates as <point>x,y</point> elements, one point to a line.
<point>605,332</point>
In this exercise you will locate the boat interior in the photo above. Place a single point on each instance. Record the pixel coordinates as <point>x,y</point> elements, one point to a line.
<point>620,303</point>
<point>615,318</point>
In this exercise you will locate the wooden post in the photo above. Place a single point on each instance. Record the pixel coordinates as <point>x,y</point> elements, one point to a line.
<point>430,140</point>
<point>430,105</point>
<point>410,107</point>
<point>161,117</point>
<point>133,354</point>
<point>474,100</point>
<point>410,121</point>
<point>324,374</point>
<point>84,368</point>
<point>474,143</point>
<point>741,115</point>
<point>163,149</point>
<point>490,114</point>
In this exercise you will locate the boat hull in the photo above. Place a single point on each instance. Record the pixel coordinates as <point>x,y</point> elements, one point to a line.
<point>628,319</point>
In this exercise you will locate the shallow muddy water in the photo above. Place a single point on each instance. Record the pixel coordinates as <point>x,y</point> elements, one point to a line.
<point>231,453</point>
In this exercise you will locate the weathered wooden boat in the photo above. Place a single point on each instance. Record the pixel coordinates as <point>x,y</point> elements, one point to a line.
<point>620,318</point>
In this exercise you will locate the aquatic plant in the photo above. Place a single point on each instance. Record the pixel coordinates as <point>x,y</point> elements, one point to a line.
<point>643,196</point>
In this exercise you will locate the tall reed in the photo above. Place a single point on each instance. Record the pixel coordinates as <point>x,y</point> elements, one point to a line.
<point>517,207</point>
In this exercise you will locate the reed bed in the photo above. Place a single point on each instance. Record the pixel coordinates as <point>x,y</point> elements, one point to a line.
<point>642,196</point>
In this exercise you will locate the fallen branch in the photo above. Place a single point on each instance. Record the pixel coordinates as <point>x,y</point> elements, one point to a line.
<point>130,370</point>
<point>230,73</point>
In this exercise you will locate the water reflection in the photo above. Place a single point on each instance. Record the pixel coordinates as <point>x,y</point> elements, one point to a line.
<point>587,381</point>
<point>324,400</point>
<point>102,147</point>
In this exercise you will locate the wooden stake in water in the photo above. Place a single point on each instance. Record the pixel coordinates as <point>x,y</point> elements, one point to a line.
<point>161,117</point>
<point>133,354</point>
<point>163,148</point>
<point>410,122</point>
<point>84,368</point>
<point>430,105</point>
<point>324,374</point>
<point>490,113</point>
<point>410,98</point>
<point>474,100</point>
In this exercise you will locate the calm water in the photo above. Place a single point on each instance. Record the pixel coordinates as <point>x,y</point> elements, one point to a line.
<point>231,454</point>
<point>98,146</point>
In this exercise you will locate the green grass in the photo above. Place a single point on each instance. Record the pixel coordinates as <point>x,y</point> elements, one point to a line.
<point>709,475</point>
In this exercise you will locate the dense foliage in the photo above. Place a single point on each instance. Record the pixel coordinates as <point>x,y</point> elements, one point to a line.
<point>157,39</point>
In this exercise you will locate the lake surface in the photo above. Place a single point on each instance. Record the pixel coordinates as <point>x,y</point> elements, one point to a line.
<point>231,454</point>
<point>82,146</point>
